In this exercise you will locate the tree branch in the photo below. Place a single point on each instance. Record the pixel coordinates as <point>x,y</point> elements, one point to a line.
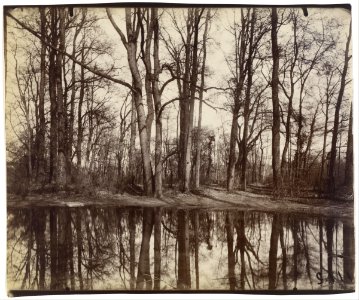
<point>119,31</point>
<point>73,58</point>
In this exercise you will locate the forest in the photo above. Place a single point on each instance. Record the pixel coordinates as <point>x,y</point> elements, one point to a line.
<point>144,101</point>
<point>177,148</point>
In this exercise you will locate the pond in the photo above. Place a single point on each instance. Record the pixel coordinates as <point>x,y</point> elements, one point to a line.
<point>129,248</point>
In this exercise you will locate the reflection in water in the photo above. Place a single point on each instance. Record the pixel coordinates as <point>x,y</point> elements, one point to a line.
<point>156,248</point>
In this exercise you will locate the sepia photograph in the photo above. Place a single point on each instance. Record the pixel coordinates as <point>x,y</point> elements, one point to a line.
<point>171,148</point>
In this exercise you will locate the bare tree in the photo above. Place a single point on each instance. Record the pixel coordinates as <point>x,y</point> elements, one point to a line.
<point>275,102</point>
<point>333,151</point>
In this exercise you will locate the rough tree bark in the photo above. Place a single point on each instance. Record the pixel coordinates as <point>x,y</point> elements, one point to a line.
<point>61,115</point>
<point>42,124</point>
<point>240,76</point>
<point>290,96</point>
<point>184,104</point>
<point>275,102</point>
<point>52,95</point>
<point>131,47</point>
<point>157,102</point>
<point>333,151</point>
<point>349,156</point>
<point>199,126</point>
<point>132,150</point>
<point>192,94</point>
<point>79,116</point>
<point>247,101</point>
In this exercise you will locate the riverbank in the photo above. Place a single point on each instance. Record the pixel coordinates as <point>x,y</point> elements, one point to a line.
<point>209,198</point>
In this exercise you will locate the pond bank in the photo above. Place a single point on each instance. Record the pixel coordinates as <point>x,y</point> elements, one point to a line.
<point>210,198</point>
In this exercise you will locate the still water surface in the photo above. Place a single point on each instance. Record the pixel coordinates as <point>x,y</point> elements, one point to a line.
<point>125,248</point>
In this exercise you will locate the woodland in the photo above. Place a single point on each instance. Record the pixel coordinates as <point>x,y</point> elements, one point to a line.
<point>246,105</point>
<point>148,100</point>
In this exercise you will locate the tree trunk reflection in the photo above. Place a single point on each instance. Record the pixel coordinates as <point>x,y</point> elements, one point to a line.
<point>329,225</point>
<point>62,250</point>
<point>349,251</point>
<point>39,228</point>
<point>132,231</point>
<point>272,273</point>
<point>79,248</point>
<point>241,243</point>
<point>284,255</point>
<point>108,250</point>
<point>184,273</point>
<point>144,279</point>
<point>53,248</point>
<point>157,248</point>
<point>196,245</point>
<point>231,257</point>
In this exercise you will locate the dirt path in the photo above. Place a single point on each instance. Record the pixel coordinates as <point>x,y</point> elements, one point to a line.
<point>209,198</point>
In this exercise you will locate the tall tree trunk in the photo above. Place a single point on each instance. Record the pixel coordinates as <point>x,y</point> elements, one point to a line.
<point>247,101</point>
<point>310,140</point>
<point>133,25</point>
<point>141,115</point>
<point>79,117</point>
<point>199,125</point>
<point>300,138</point>
<point>349,156</point>
<point>53,100</point>
<point>284,167</point>
<point>333,151</point>
<point>261,159</point>
<point>275,102</point>
<point>193,87</point>
<point>185,108</point>
<point>240,51</point>
<point>62,172</point>
<point>325,134</point>
<point>209,167</point>
<point>70,133</point>
<point>157,101</point>
<point>132,150</point>
<point>42,125</point>
<point>148,76</point>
